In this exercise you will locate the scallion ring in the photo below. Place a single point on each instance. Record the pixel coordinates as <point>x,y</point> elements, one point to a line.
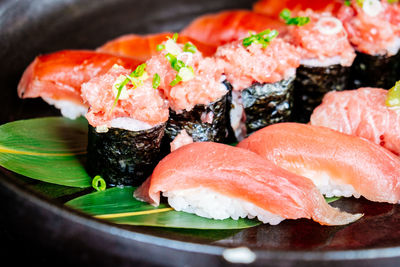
<point>98,183</point>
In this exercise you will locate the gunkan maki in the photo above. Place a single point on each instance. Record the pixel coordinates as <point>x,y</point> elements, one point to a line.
<point>373,29</point>
<point>127,118</point>
<point>194,87</point>
<point>326,58</point>
<point>261,69</point>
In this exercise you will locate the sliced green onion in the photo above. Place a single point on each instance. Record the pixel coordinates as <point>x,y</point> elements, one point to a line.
<point>347,3</point>
<point>176,64</point>
<point>160,47</point>
<point>393,96</point>
<point>177,80</point>
<point>189,47</point>
<point>297,21</point>
<point>186,74</point>
<point>98,183</point>
<point>175,37</point>
<point>263,38</point>
<point>360,2</point>
<point>392,1</point>
<point>139,70</point>
<point>156,81</point>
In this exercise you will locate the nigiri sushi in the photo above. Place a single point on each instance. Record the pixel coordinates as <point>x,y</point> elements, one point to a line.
<point>127,118</point>
<point>227,26</point>
<point>362,112</point>
<point>272,8</point>
<point>57,77</point>
<point>195,89</point>
<point>374,31</point>
<point>326,58</point>
<point>219,181</point>
<point>142,47</point>
<point>261,69</point>
<point>338,164</point>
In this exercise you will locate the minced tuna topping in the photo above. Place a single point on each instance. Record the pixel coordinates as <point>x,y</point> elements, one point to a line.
<point>323,39</point>
<point>245,65</point>
<point>373,26</point>
<point>203,86</point>
<point>143,103</point>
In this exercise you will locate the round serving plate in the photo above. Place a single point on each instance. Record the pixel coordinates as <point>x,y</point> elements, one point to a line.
<point>36,228</point>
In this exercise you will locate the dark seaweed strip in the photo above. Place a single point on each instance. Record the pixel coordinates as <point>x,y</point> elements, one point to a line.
<point>124,157</point>
<point>312,83</point>
<point>268,103</point>
<point>375,71</point>
<point>200,131</point>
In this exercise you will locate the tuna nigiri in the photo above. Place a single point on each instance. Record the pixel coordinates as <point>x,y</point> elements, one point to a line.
<point>339,164</point>
<point>227,26</point>
<point>57,77</point>
<point>219,181</point>
<point>272,8</point>
<point>362,113</point>
<point>142,47</point>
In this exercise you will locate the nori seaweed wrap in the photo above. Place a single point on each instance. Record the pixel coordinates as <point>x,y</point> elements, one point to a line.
<point>375,71</point>
<point>124,157</point>
<point>312,83</point>
<point>202,123</point>
<point>267,103</point>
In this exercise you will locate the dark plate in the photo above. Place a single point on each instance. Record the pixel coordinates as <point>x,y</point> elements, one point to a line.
<point>37,228</point>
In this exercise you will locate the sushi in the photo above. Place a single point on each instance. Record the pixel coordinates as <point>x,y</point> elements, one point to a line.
<point>127,119</point>
<point>374,30</point>
<point>142,47</point>
<point>272,8</point>
<point>337,163</point>
<point>220,181</point>
<point>195,89</point>
<point>362,112</point>
<point>57,77</point>
<point>228,26</point>
<point>326,58</point>
<point>261,69</point>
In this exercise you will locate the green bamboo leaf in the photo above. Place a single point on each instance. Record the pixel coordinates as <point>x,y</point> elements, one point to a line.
<point>117,205</point>
<point>331,199</point>
<point>47,149</point>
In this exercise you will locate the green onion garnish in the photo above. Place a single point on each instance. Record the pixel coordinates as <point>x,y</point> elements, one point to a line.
<point>189,47</point>
<point>262,38</point>
<point>156,81</point>
<point>392,1</point>
<point>175,37</point>
<point>138,72</point>
<point>160,47</point>
<point>393,96</point>
<point>360,2</point>
<point>298,21</point>
<point>347,3</point>
<point>176,80</point>
<point>99,180</point>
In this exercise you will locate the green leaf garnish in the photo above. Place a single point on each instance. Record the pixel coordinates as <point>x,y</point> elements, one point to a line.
<point>298,21</point>
<point>262,38</point>
<point>156,81</point>
<point>189,47</point>
<point>47,149</point>
<point>393,96</point>
<point>98,183</point>
<point>117,205</point>
<point>347,3</point>
<point>177,80</point>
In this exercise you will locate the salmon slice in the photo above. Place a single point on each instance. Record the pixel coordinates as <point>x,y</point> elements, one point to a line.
<point>59,75</point>
<point>339,164</point>
<point>273,8</point>
<point>142,47</point>
<point>362,113</point>
<point>239,174</point>
<point>227,26</point>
